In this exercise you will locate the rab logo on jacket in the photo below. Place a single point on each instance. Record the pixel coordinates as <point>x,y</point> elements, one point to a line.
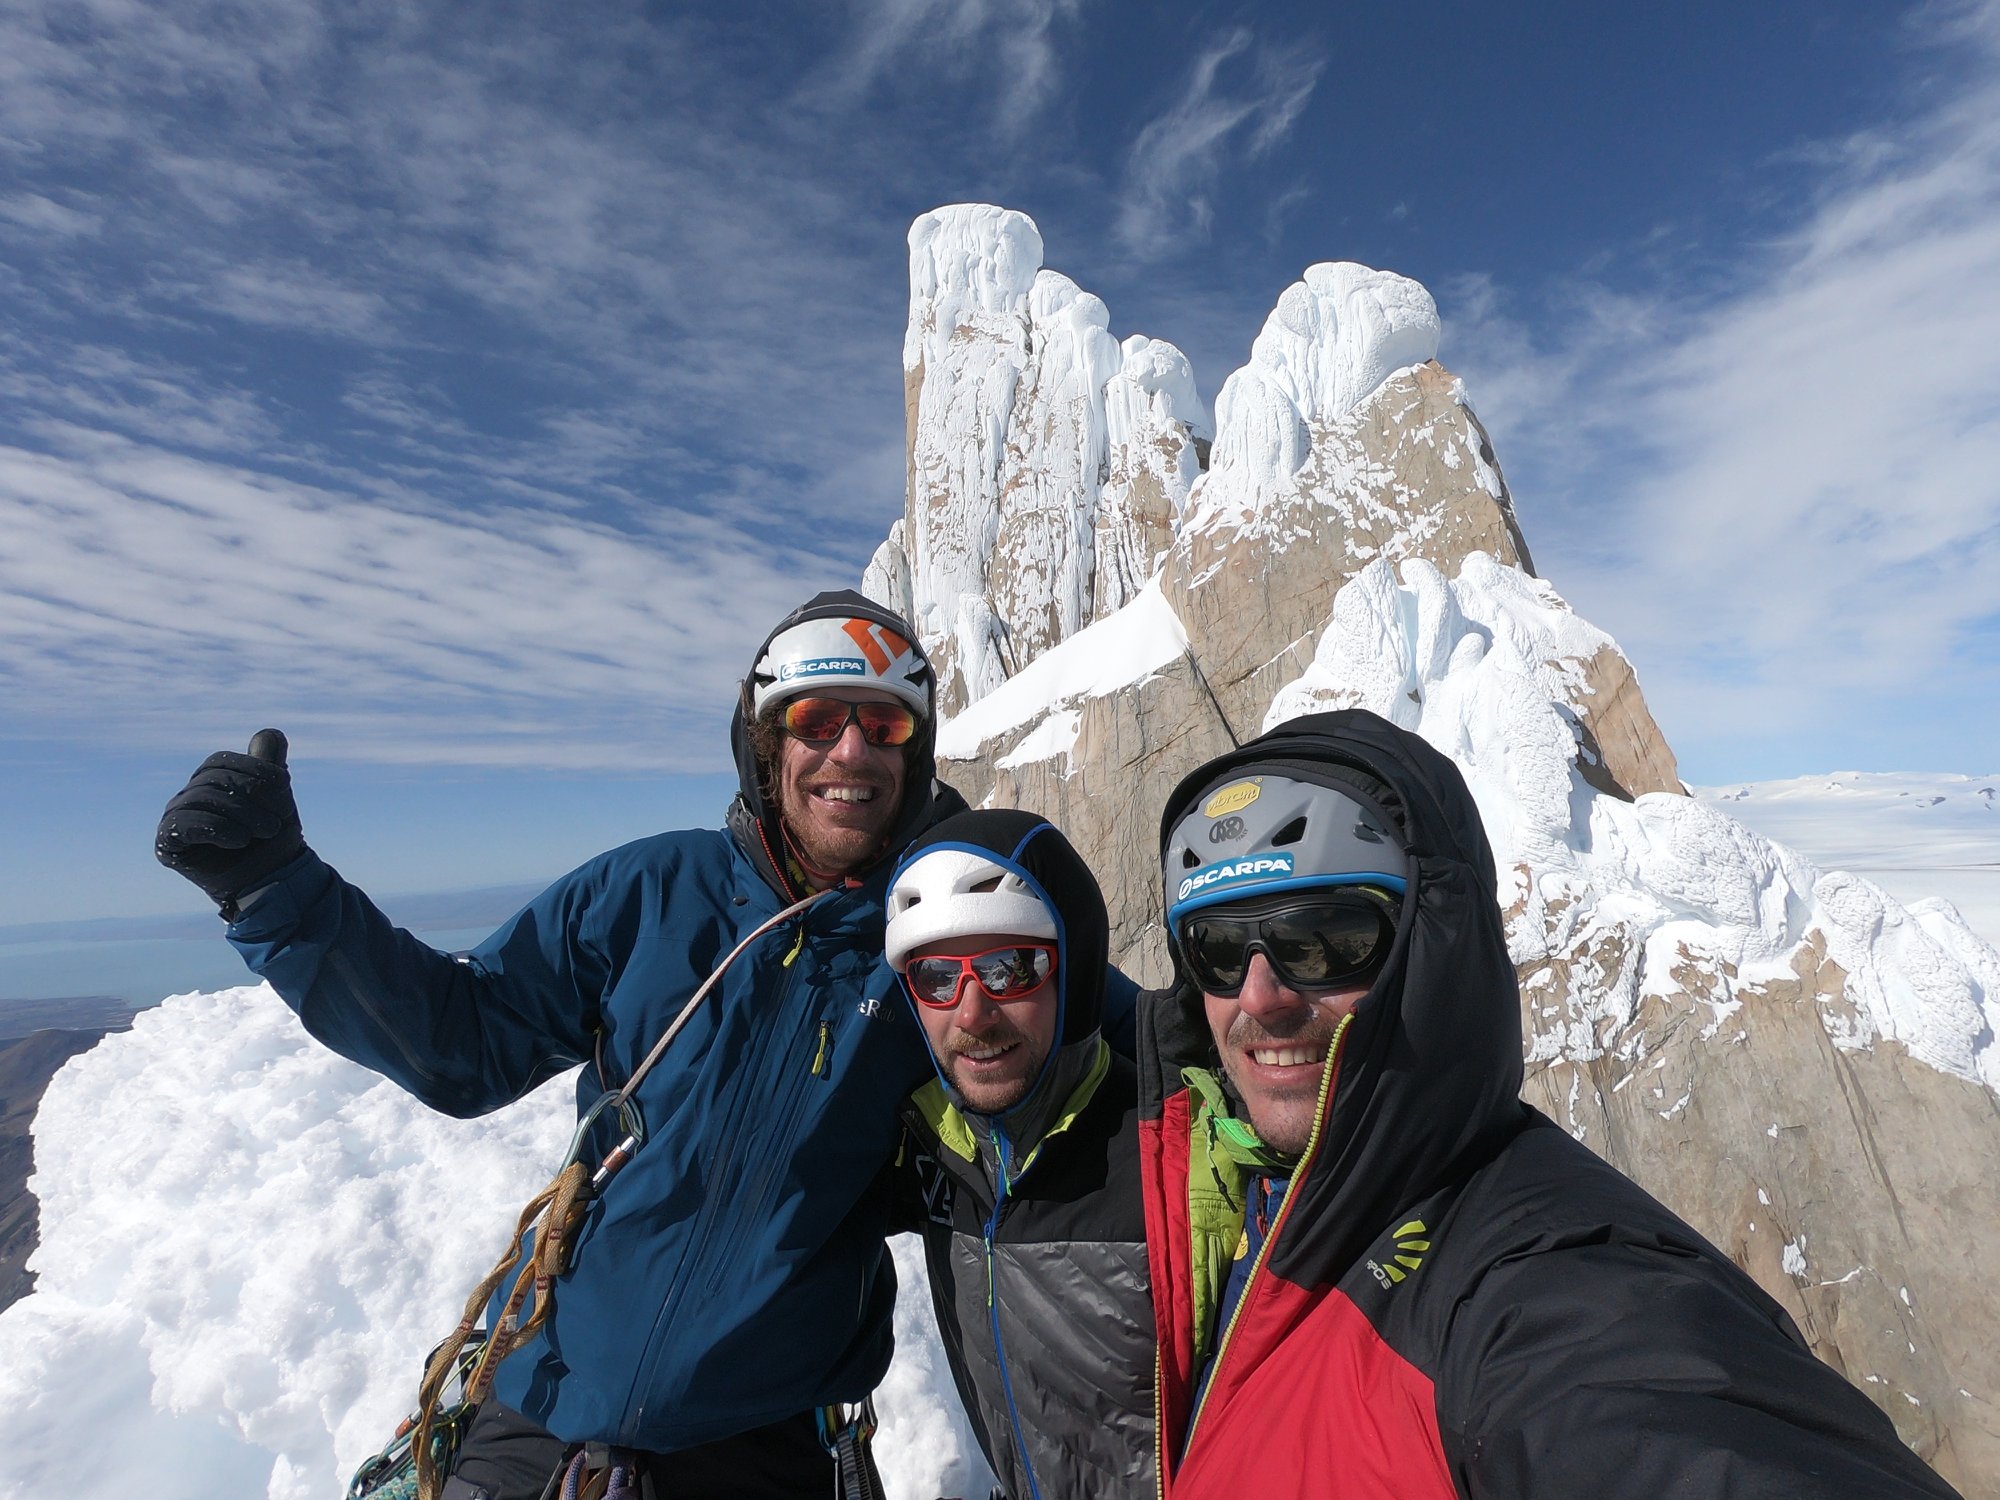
<point>1410,1248</point>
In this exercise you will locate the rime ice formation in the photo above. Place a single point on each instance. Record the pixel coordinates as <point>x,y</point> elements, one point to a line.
<point>1484,666</point>
<point>248,1247</point>
<point>1329,344</point>
<point>1038,445</point>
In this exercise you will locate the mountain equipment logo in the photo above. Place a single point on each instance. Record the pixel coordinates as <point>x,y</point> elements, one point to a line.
<point>823,666</point>
<point>1231,871</point>
<point>1410,1247</point>
<point>1233,798</point>
<point>1226,830</point>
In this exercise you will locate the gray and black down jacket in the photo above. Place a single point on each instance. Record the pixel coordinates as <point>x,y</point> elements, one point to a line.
<point>1033,1225</point>
<point>1055,1369</point>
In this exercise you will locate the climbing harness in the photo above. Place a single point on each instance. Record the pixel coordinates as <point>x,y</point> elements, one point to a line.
<point>847,1432</point>
<point>544,1236</point>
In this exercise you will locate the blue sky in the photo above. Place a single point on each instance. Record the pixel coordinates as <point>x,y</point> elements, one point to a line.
<point>465,387</point>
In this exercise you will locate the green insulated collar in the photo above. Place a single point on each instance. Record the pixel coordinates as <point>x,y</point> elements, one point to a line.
<point>1234,1138</point>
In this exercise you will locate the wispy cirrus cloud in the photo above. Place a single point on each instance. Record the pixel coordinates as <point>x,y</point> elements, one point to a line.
<point>1017,44</point>
<point>526,186</point>
<point>1784,498</point>
<point>1241,97</point>
<point>464,389</point>
<point>160,595</point>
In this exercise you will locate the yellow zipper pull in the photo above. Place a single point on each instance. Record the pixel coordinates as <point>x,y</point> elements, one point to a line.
<point>823,1064</point>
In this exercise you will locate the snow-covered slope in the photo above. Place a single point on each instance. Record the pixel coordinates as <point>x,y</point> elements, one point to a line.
<point>248,1247</point>
<point>1920,837</point>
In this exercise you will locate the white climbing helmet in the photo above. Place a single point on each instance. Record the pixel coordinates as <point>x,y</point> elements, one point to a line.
<point>950,892</point>
<point>840,651</point>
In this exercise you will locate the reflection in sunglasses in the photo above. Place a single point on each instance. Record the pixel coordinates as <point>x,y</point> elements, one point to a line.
<point>1009,973</point>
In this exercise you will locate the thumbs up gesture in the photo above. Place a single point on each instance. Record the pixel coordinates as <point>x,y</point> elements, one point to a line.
<point>234,825</point>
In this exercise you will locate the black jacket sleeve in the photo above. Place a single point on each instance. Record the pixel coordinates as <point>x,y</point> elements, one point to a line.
<point>1631,1367</point>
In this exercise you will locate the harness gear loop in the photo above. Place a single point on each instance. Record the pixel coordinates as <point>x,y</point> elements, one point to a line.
<point>847,1432</point>
<point>549,1223</point>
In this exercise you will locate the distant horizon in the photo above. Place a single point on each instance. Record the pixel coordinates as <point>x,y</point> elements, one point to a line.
<point>1872,828</point>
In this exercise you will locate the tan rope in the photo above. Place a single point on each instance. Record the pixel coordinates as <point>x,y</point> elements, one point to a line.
<point>559,1207</point>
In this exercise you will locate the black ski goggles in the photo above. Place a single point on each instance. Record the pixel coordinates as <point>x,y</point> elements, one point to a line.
<point>822,721</point>
<point>1315,941</point>
<point>1010,973</point>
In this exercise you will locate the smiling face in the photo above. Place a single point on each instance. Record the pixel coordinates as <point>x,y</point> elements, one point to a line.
<point>839,801</point>
<point>1273,1040</point>
<point>992,1053</point>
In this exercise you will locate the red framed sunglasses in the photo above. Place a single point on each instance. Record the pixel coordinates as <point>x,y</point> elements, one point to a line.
<point>822,721</point>
<point>1003,974</point>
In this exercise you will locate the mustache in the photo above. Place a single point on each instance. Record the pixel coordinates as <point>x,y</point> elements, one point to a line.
<point>1002,1035</point>
<point>869,777</point>
<point>1318,1031</point>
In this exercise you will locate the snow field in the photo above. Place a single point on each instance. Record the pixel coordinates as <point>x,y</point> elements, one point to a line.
<point>248,1246</point>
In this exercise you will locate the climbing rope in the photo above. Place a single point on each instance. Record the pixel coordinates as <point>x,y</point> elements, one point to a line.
<point>549,1225</point>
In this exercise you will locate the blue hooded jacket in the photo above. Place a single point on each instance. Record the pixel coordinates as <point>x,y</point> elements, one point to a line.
<point>734,1274</point>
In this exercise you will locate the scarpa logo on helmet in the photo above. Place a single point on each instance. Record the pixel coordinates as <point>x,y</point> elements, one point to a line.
<point>823,666</point>
<point>1234,872</point>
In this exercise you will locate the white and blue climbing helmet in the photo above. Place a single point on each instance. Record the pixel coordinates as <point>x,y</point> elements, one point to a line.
<point>1268,835</point>
<point>951,891</point>
<point>841,651</point>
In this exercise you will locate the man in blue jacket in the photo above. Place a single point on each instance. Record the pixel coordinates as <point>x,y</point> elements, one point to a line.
<point>733,1279</point>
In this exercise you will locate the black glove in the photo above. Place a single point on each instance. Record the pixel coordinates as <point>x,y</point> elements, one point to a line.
<point>234,825</point>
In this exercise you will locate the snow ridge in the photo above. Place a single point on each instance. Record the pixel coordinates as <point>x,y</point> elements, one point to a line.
<point>1485,667</point>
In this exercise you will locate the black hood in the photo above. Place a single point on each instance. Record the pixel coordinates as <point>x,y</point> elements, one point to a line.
<point>1035,849</point>
<point>1429,1071</point>
<point>754,821</point>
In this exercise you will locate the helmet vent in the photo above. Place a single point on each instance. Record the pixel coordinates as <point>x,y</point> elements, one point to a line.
<point>1291,833</point>
<point>991,883</point>
<point>1189,859</point>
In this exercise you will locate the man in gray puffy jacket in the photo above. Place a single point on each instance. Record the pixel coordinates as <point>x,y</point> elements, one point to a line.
<point>1026,1154</point>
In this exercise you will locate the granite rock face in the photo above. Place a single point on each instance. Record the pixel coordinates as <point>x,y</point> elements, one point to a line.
<point>1799,1066</point>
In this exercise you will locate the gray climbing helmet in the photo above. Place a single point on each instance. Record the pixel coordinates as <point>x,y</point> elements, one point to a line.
<point>1255,835</point>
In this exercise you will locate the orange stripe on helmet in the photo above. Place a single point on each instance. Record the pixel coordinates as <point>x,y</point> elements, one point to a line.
<point>863,632</point>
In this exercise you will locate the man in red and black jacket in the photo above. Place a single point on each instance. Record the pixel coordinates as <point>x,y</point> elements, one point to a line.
<point>1377,1272</point>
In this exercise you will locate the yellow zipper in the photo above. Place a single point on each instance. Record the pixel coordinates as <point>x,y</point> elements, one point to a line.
<point>1270,1239</point>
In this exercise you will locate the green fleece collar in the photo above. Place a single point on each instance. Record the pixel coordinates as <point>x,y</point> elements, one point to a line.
<point>956,1133</point>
